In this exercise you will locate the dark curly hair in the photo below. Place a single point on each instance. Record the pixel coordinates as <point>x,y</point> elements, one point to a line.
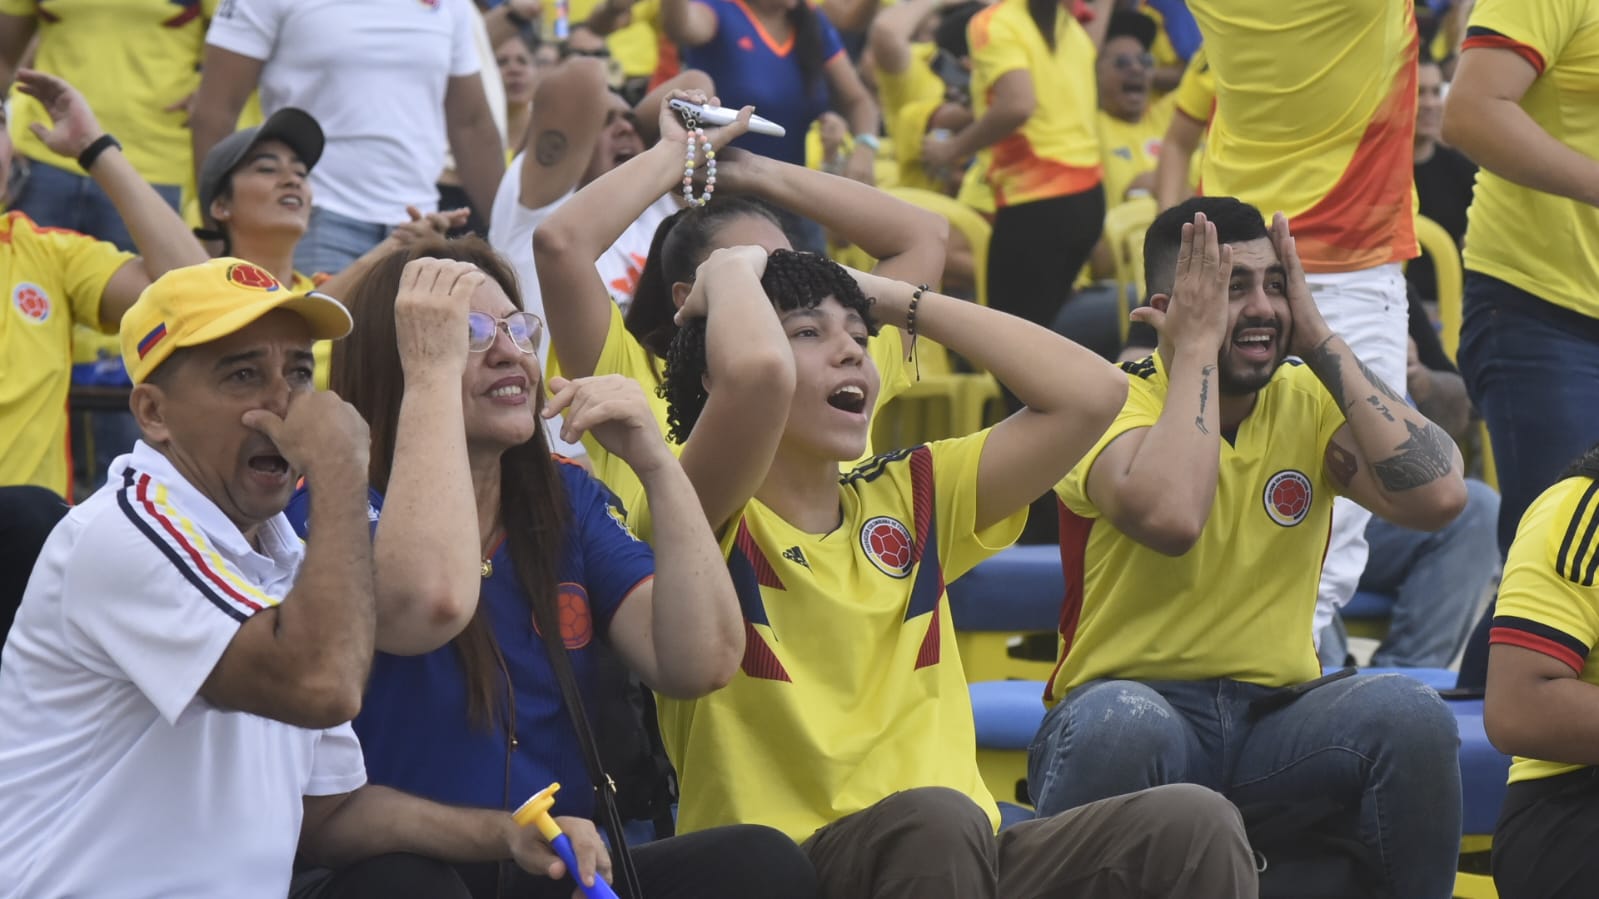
<point>1586,465</point>
<point>793,280</point>
<point>680,244</point>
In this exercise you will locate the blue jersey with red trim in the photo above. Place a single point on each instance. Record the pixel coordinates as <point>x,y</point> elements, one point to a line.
<point>413,723</point>
<point>752,69</point>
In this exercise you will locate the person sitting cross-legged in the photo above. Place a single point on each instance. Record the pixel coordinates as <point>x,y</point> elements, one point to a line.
<point>1192,535</point>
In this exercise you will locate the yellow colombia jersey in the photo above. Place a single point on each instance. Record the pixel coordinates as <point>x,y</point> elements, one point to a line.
<point>850,688</point>
<point>53,278</point>
<point>1315,117</point>
<point>1056,152</point>
<point>909,99</point>
<point>1541,243</point>
<point>1195,95</point>
<point>131,59</point>
<point>1129,149</point>
<point>1239,604</point>
<point>624,355</point>
<point>1548,598</point>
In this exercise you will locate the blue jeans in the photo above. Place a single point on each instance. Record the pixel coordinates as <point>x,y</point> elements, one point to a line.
<point>57,198</point>
<point>1436,578</point>
<point>1385,744</point>
<point>332,241</point>
<point>1532,370</point>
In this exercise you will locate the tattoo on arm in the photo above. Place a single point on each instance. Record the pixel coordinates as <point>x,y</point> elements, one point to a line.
<point>1379,383</point>
<point>1327,366</point>
<point>1377,404</point>
<point>550,148</point>
<point>1204,397</point>
<point>1425,457</point>
<point>1341,464</point>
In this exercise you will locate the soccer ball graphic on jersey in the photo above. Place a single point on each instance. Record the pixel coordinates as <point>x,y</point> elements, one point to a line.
<point>888,544</point>
<point>1287,497</point>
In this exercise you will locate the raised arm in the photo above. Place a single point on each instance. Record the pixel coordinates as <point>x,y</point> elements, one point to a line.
<point>474,140</point>
<point>15,33</point>
<point>1011,102</point>
<point>751,370</point>
<point>1177,150</point>
<point>856,105</point>
<point>428,543</point>
<point>908,242</point>
<point>680,631</point>
<point>568,113</point>
<point>305,661</point>
<point>1388,457</point>
<point>1483,118</point>
<point>892,30</point>
<point>226,81</point>
<point>688,23</point>
<point>1069,393</point>
<point>504,21</point>
<point>566,245</point>
<point>1157,484</point>
<point>157,230</point>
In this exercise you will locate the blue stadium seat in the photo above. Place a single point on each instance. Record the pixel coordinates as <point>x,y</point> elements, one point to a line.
<point>1366,605</point>
<point>996,605</point>
<point>1483,773</point>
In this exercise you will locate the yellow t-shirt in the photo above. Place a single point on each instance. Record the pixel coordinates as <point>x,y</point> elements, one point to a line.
<point>1315,117</point>
<point>1541,243</point>
<point>1195,95</point>
<point>637,45</point>
<point>130,59</point>
<point>622,354</point>
<point>1056,152</point>
<point>909,99</point>
<point>1239,604</point>
<point>54,279</point>
<point>1129,149</point>
<point>851,688</point>
<point>1548,601</point>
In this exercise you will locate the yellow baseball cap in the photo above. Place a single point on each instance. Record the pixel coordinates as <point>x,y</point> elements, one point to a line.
<point>201,303</point>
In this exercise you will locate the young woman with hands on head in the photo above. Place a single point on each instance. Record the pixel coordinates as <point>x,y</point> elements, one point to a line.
<point>589,334</point>
<point>851,686</point>
<point>484,541</point>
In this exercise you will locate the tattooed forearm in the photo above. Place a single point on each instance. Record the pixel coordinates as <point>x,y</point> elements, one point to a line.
<point>1204,397</point>
<point>1379,383</point>
<point>550,147</point>
<point>1324,361</point>
<point>1425,457</point>
<point>1377,404</point>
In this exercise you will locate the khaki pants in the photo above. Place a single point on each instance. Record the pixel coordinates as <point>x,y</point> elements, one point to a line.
<point>1178,841</point>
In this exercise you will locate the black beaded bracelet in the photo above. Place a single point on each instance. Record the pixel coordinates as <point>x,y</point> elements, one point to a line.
<point>910,328</point>
<point>92,152</point>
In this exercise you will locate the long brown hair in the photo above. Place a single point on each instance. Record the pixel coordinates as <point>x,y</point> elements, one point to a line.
<point>533,506</point>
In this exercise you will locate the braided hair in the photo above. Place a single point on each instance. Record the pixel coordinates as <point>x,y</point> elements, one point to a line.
<point>793,280</point>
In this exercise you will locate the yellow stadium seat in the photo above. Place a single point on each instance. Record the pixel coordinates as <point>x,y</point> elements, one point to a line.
<point>1125,225</point>
<point>1438,246</point>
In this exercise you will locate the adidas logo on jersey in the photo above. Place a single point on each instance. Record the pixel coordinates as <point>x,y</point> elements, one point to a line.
<point>796,555</point>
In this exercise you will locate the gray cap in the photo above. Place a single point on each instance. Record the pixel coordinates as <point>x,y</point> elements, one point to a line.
<point>294,127</point>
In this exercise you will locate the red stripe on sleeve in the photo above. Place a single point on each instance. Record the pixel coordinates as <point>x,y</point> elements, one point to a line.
<point>1512,637</point>
<point>1500,42</point>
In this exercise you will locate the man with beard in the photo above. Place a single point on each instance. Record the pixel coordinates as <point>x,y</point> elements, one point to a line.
<point>1192,536</point>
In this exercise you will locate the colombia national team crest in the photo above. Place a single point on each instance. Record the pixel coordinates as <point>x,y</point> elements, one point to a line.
<point>888,544</point>
<point>577,621</point>
<point>1287,497</point>
<point>31,300</point>
<point>254,277</point>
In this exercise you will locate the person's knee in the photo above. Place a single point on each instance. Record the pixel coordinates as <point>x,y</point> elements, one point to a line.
<point>941,816</point>
<point>764,861</point>
<point>1409,717</point>
<point>1188,813</point>
<point>1114,721</point>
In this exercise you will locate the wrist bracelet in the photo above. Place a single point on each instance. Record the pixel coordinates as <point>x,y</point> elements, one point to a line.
<point>910,329</point>
<point>92,152</point>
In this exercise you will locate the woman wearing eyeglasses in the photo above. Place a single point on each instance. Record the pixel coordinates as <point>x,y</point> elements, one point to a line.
<point>483,542</point>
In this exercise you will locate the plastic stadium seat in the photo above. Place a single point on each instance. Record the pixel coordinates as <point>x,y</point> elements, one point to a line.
<point>1016,593</point>
<point>1365,604</point>
<point>1437,245</point>
<point>1483,773</point>
<point>1007,715</point>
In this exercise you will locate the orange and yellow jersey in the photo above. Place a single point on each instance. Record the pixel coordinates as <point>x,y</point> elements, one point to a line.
<point>131,59</point>
<point>53,279</point>
<point>1056,151</point>
<point>1544,244</point>
<point>1548,598</point>
<point>851,688</point>
<point>623,355</point>
<point>1315,117</point>
<point>1240,603</point>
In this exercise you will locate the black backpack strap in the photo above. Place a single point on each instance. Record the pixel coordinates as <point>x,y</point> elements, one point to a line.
<point>625,877</point>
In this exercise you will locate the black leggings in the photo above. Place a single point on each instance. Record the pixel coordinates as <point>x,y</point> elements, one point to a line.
<point>733,862</point>
<point>1038,248</point>
<point>1544,841</point>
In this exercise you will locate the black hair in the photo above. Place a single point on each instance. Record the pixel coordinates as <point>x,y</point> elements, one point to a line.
<point>950,36</point>
<point>1044,13</point>
<point>1235,221</point>
<point>680,244</point>
<point>1136,25</point>
<point>807,44</point>
<point>793,280</point>
<point>1586,465</point>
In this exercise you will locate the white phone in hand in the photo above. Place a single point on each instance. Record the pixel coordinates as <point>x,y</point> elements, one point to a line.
<point>721,115</point>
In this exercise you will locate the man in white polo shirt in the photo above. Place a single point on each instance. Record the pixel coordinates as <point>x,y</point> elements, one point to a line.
<point>176,689</point>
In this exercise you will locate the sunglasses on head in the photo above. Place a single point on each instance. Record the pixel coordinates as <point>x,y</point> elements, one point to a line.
<point>524,329</point>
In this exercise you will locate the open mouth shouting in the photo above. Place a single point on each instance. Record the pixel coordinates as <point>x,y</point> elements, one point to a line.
<point>849,398</point>
<point>1257,342</point>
